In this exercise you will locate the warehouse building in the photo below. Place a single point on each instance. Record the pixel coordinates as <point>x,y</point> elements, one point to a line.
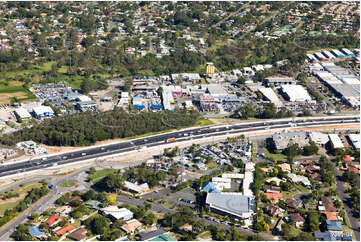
<point>278,80</point>
<point>268,93</point>
<point>216,90</point>
<point>22,114</point>
<point>328,54</point>
<point>347,52</point>
<point>231,204</point>
<point>295,93</point>
<point>138,103</point>
<point>319,138</point>
<point>320,56</point>
<point>335,141</point>
<point>87,105</point>
<point>355,140</point>
<point>43,111</point>
<point>337,53</point>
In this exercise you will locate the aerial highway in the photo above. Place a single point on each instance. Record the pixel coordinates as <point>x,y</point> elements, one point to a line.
<point>171,137</point>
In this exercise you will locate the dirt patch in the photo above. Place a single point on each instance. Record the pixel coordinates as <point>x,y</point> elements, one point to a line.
<point>6,97</point>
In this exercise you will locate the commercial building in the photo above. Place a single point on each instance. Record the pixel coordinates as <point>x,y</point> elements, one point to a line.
<point>328,54</point>
<point>295,93</point>
<point>278,80</point>
<point>231,204</point>
<point>132,187</point>
<point>319,138</point>
<point>22,114</point>
<point>282,140</point>
<point>337,53</point>
<point>347,52</point>
<point>138,103</point>
<point>221,183</point>
<point>355,140</point>
<point>43,111</point>
<point>87,105</point>
<point>336,142</point>
<point>115,213</point>
<point>320,56</point>
<point>216,90</point>
<point>271,96</point>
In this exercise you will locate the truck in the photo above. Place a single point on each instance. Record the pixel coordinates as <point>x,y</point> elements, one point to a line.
<point>170,140</point>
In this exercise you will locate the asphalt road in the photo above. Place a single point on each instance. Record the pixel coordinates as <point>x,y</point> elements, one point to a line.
<point>178,136</point>
<point>340,189</point>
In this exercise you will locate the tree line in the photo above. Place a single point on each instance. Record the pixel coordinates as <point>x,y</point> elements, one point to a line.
<point>86,128</point>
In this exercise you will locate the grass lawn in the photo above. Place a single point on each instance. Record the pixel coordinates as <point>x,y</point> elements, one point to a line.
<point>271,156</point>
<point>203,122</point>
<point>67,184</point>
<point>22,192</point>
<point>205,235</point>
<point>211,165</point>
<point>99,174</point>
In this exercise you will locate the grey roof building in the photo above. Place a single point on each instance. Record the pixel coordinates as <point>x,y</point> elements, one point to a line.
<point>282,140</point>
<point>231,204</point>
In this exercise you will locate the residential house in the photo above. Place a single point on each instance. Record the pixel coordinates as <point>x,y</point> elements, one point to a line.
<point>285,167</point>
<point>328,204</point>
<point>273,197</point>
<point>147,236</point>
<point>115,213</point>
<point>293,203</point>
<point>64,230</point>
<point>54,219</point>
<point>297,219</point>
<point>35,231</point>
<point>273,210</point>
<point>271,189</point>
<point>132,225</point>
<point>332,216</point>
<point>276,180</point>
<point>63,210</point>
<point>334,226</point>
<point>77,235</point>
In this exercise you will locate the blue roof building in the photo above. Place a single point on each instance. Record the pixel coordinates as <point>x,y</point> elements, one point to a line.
<point>333,225</point>
<point>325,236</point>
<point>209,187</point>
<point>35,231</point>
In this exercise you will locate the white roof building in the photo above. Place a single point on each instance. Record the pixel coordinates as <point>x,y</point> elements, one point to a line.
<point>247,181</point>
<point>335,141</point>
<point>271,95</point>
<point>42,111</point>
<point>318,138</point>
<point>355,140</point>
<point>297,178</point>
<point>233,175</point>
<point>136,188</point>
<point>295,93</point>
<point>22,113</point>
<point>117,213</point>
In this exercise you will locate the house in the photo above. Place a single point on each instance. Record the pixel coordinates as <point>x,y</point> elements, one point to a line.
<point>131,226</point>
<point>64,230</point>
<point>93,204</point>
<point>271,189</point>
<point>285,167</point>
<point>328,204</point>
<point>274,197</point>
<point>54,219</point>
<point>332,216</point>
<point>133,187</point>
<point>347,158</point>
<point>77,235</point>
<point>275,180</point>
<point>35,231</point>
<point>297,219</point>
<point>297,178</point>
<point>115,213</point>
<point>273,210</point>
<point>293,203</point>
<point>325,236</point>
<point>63,210</point>
<point>334,226</point>
<point>147,236</point>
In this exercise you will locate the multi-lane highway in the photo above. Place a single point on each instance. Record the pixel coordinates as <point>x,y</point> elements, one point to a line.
<point>174,137</point>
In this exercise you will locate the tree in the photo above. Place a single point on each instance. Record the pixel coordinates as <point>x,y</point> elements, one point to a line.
<point>292,151</point>
<point>99,225</point>
<point>21,233</point>
<point>112,198</point>
<point>150,218</point>
<point>311,149</point>
<point>246,111</point>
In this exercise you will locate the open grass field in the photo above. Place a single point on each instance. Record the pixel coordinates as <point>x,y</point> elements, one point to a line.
<point>12,202</point>
<point>67,184</point>
<point>203,122</point>
<point>99,174</point>
<point>276,157</point>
